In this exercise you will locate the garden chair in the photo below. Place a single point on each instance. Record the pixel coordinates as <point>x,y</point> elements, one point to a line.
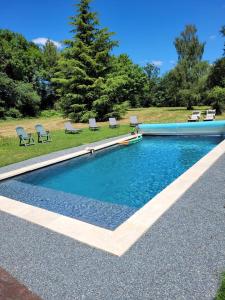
<point>43,135</point>
<point>210,115</point>
<point>134,121</point>
<point>26,139</point>
<point>113,123</point>
<point>195,116</point>
<point>93,125</point>
<point>70,129</point>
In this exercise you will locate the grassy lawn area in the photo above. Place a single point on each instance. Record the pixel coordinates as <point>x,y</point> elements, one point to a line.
<point>221,293</point>
<point>145,115</point>
<point>10,152</point>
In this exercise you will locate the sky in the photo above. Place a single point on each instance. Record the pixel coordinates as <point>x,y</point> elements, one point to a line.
<point>145,29</point>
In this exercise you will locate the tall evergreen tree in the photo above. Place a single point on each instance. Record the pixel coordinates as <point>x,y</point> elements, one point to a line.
<point>222,31</point>
<point>190,51</point>
<point>84,66</point>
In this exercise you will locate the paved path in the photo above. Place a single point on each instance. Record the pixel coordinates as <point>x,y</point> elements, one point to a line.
<point>180,257</point>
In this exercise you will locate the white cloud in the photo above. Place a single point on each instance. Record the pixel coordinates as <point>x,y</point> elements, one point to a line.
<point>157,63</point>
<point>42,41</point>
<point>212,37</point>
<point>172,62</point>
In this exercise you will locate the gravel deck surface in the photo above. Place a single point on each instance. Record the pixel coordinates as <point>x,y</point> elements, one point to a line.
<point>180,257</point>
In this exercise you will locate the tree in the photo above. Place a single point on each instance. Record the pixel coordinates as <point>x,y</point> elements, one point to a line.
<point>222,31</point>
<point>217,99</point>
<point>151,87</point>
<point>17,98</point>
<point>217,74</point>
<point>20,63</point>
<point>189,67</point>
<point>84,67</point>
<point>188,46</point>
<point>44,85</point>
<point>152,71</point>
<point>50,56</point>
<point>19,59</point>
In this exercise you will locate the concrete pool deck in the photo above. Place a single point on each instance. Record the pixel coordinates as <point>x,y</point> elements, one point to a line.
<point>180,257</point>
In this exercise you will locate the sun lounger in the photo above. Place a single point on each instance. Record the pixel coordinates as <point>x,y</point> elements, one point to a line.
<point>113,123</point>
<point>195,116</point>
<point>134,121</point>
<point>70,129</point>
<point>210,115</point>
<point>93,125</point>
<point>26,139</point>
<point>43,135</point>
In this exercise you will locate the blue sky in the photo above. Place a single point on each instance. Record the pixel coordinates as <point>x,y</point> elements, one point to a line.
<point>145,29</point>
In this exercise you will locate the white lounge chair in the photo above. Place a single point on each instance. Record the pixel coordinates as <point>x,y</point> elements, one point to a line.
<point>195,116</point>
<point>93,125</point>
<point>113,123</point>
<point>210,115</point>
<point>134,121</point>
<point>70,129</point>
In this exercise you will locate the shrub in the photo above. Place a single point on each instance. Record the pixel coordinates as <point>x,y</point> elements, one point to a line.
<point>13,113</point>
<point>50,113</point>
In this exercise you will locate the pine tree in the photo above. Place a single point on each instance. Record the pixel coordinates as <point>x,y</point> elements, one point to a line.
<point>84,66</point>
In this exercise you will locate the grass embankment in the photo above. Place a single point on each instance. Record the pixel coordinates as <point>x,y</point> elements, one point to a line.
<point>10,152</point>
<point>221,292</point>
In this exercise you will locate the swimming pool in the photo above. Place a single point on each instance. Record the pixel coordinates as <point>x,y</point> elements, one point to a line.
<point>108,187</point>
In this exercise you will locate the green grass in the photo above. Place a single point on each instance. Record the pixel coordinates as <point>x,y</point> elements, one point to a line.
<point>10,152</point>
<point>221,292</point>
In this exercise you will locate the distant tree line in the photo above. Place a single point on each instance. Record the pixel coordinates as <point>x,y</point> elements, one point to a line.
<point>86,80</point>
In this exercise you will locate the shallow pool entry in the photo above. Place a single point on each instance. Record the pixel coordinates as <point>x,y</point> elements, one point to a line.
<point>109,186</point>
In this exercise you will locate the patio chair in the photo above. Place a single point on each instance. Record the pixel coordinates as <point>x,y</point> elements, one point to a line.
<point>134,121</point>
<point>70,129</point>
<point>26,139</point>
<point>93,125</point>
<point>210,115</point>
<point>195,116</point>
<point>113,123</point>
<point>43,135</point>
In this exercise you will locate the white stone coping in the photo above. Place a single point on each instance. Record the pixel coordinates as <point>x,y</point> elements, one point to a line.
<point>116,242</point>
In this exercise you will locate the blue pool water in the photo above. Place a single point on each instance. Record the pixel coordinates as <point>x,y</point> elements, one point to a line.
<point>125,175</point>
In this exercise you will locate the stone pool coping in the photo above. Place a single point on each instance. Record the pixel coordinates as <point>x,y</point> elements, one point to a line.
<point>116,242</point>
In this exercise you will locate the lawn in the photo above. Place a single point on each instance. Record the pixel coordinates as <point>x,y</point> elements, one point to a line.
<point>221,293</point>
<point>10,152</point>
<point>145,115</point>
